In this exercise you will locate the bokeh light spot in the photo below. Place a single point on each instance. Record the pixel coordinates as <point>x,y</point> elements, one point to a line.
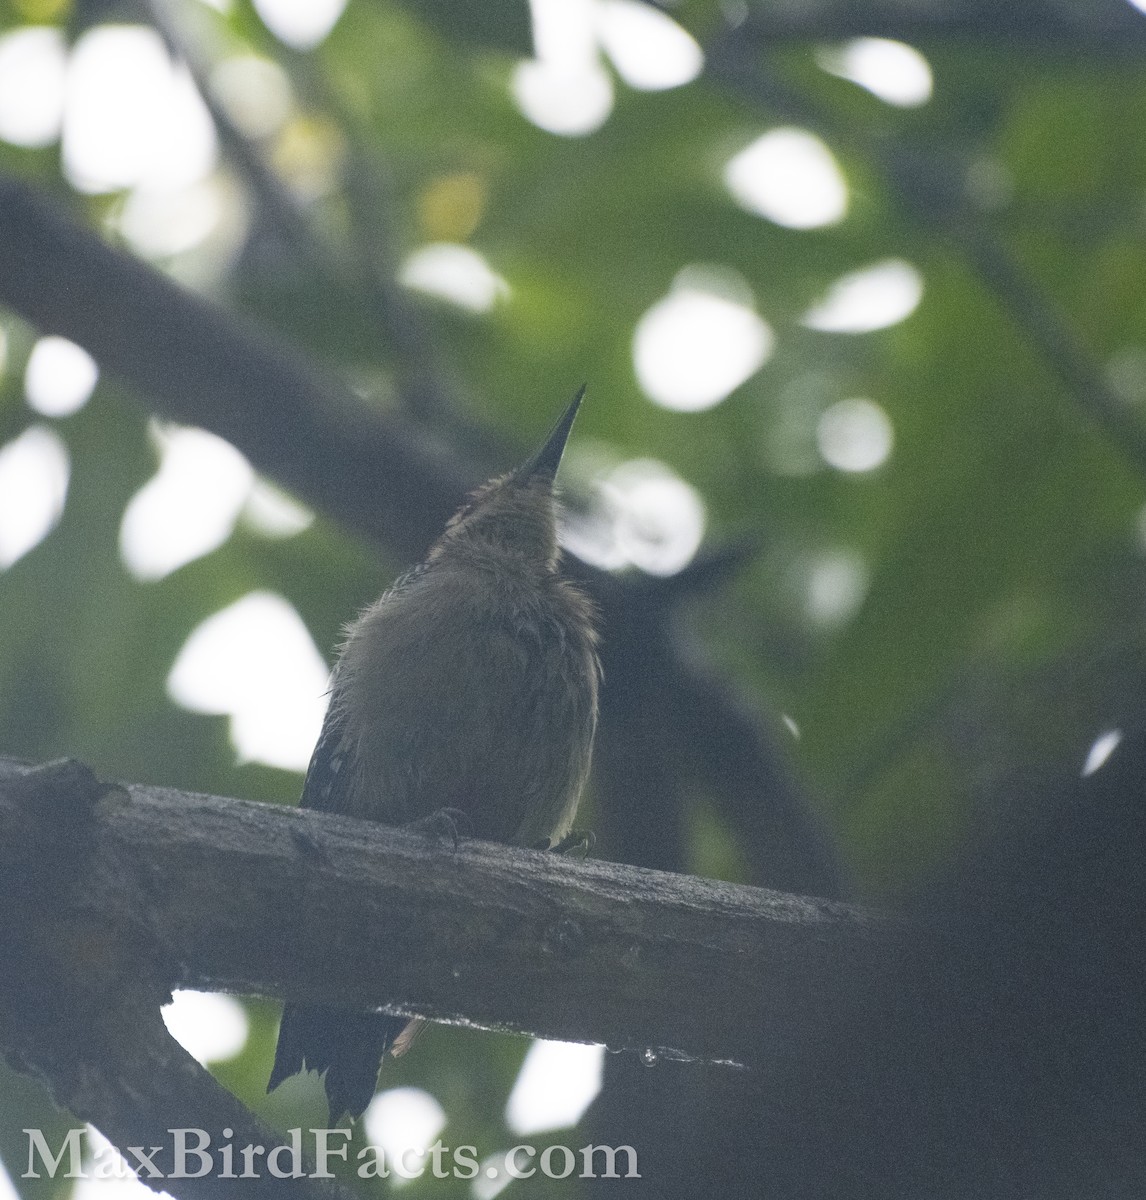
<point>310,154</point>
<point>492,1177</point>
<point>649,49</point>
<point>642,514</point>
<point>564,89</point>
<point>302,24</point>
<point>132,118</point>
<point>660,519</point>
<point>872,298</point>
<point>34,472</point>
<point>256,662</point>
<point>33,72</point>
<point>695,346</point>
<point>1102,748</point>
<point>255,92</point>
<point>161,224</point>
<point>209,1026</point>
<point>451,206</point>
<point>789,176</point>
<point>855,435</point>
<point>557,1083</point>
<point>270,512</point>
<point>7,1187</point>
<point>405,1122</point>
<point>188,508</point>
<point>455,273</point>
<point>989,183</point>
<point>563,100</point>
<point>1126,374</point>
<point>894,71</point>
<point>107,1175</point>
<point>835,585</point>
<point>59,378</point>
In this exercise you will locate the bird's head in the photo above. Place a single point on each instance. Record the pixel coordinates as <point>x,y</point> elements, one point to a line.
<point>511,521</point>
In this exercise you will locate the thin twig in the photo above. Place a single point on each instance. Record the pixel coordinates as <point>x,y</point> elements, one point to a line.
<point>371,265</point>
<point>273,198</point>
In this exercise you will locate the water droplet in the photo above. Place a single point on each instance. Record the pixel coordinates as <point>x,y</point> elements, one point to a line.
<point>650,1057</point>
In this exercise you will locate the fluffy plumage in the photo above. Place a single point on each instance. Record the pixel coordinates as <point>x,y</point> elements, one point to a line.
<point>471,684</point>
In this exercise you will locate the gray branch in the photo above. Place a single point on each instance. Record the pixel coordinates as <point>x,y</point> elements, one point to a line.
<point>376,473</point>
<point>255,898</point>
<point>86,969</point>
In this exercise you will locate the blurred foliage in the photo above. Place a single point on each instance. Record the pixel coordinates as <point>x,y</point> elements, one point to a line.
<point>1001,627</point>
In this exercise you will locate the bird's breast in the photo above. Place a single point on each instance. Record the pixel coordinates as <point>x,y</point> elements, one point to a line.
<point>474,696</point>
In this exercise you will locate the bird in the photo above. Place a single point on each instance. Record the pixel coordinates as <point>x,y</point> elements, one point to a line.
<point>469,687</point>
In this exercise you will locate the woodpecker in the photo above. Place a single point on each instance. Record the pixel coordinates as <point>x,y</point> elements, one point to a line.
<point>469,686</point>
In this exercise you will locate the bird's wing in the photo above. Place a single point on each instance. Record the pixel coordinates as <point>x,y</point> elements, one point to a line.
<point>331,770</point>
<point>334,771</point>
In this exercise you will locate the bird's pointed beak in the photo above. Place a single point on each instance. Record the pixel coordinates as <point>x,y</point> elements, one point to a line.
<point>548,458</point>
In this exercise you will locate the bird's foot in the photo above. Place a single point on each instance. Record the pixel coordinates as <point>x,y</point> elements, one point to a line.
<point>450,823</point>
<point>577,844</point>
<point>311,849</point>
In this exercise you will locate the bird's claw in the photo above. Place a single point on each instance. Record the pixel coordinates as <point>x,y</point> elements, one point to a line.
<point>577,844</point>
<point>450,823</point>
<point>308,845</point>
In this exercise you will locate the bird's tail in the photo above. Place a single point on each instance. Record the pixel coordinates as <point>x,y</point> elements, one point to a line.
<point>348,1047</point>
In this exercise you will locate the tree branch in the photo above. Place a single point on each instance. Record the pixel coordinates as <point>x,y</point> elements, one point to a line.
<point>245,897</point>
<point>86,970</point>
<point>370,470</point>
